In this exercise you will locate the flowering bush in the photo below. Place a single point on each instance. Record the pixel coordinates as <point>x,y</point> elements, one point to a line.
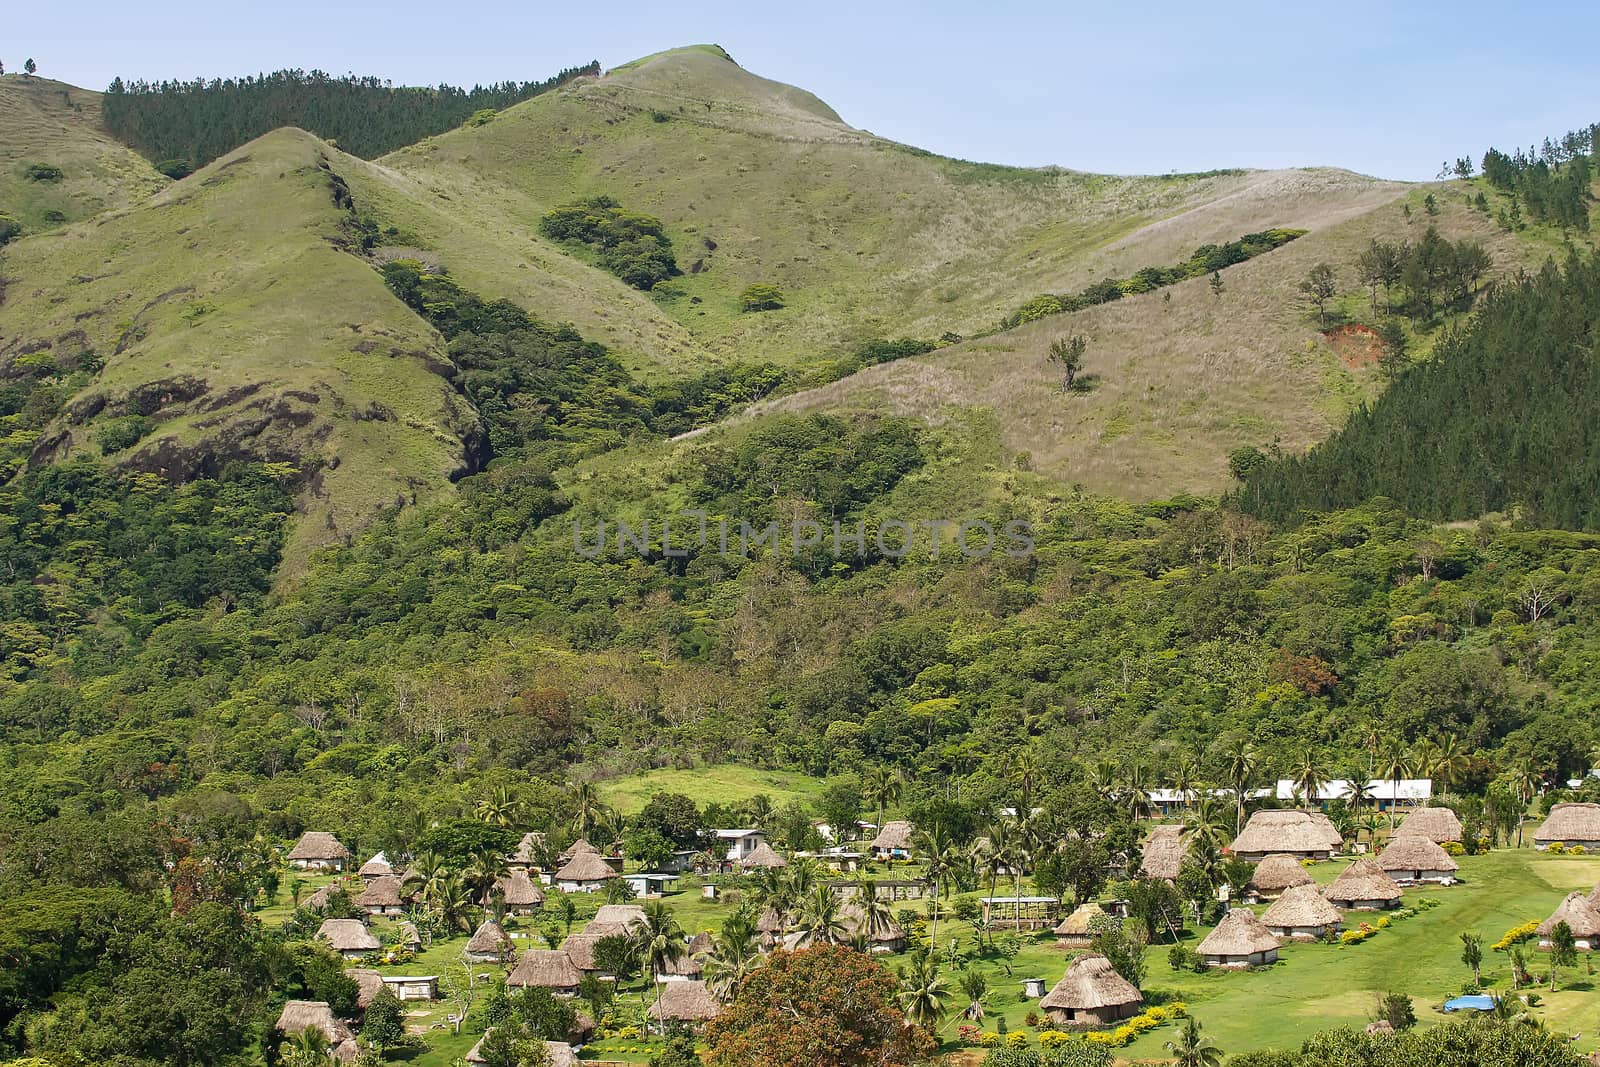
<point>988,1039</point>
<point>628,1033</point>
<point>1383,922</point>
<point>1556,848</point>
<point>1455,848</point>
<point>1577,850</point>
<point>1016,1039</point>
<point>968,1034</point>
<point>1053,1039</point>
<point>1517,935</point>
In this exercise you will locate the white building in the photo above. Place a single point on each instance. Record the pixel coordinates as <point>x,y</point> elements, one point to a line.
<point>740,843</point>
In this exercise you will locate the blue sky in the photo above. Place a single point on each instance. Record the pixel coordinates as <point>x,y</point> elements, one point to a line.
<point>1387,89</point>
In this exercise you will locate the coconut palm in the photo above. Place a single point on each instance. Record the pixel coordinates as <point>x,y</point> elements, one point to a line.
<point>877,917</point>
<point>1135,790</point>
<point>307,1048</point>
<point>1450,761</point>
<point>994,851</point>
<point>1360,793</point>
<point>485,869</point>
<point>449,898</point>
<point>1525,782</point>
<point>923,992</point>
<point>881,785</point>
<point>1309,778</point>
<point>1102,777</point>
<point>975,988</point>
<point>1240,764</point>
<point>1192,1049</point>
<point>1185,779</point>
<point>499,808</point>
<point>734,954</point>
<point>1394,764</point>
<point>1425,759</point>
<point>1024,772</point>
<point>818,921</point>
<point>1205,825</point>
<point>584,801</point>
<point>934,844</point>
<point>658,942</point>
<point>759,810</point>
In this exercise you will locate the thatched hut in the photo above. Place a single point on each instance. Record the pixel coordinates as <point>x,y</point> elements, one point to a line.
<point>692,963</point>
<point>763,856</point>
<point>376,867</point>
<point>1301,914</point>
<point>521,895</point>
<point>585,872</point>
<point>1411,859</point>
<point>888,937</point>
<point>350,938</point>
<point>1436,824</point>
<point>1302,834</point>
<point>382,896</point>
<point>581,845</point>
<point>685,1002</point>
<point>1569,825</point>
<point>1240,940</point>
<point>1363,886</point>
<point>545,969</point>
<point>629,917</point>
<point>298,1016</point>
<point>1582,918</point>
<point>489,944</point>
<point>556,1053</point>
<point>1276,874</point>
<point>369,984</point>
<point>408,936</point>
<point>1091,993</point>
<point>527,852</point>
<point>318,851</point>
<point>319,900</point>
<point>893,841</point>
<point>1164,852</point>
<point>1075,930</point>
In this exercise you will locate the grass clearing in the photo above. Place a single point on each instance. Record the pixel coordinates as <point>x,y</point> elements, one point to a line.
<point>726,783</point>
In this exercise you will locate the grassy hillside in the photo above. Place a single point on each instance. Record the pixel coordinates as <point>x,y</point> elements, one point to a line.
<point>229,314</point>
<point>761,182</point>
<point>1176,384</point>
<point>50,122</point>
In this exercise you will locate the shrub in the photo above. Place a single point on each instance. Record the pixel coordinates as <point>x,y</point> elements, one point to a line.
<point>761,296</point>
<point>482,117</point>
<point>42,172</point>
<point>1455,848</point>
<point>1516,935</point>
<point>1577,850</point>
<point>54,215</point>
<point>175,168</point>
<point>1556,849</point>
<point>631,245</point>
<point>9,228</point>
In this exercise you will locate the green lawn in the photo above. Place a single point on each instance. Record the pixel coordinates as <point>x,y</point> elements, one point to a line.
<point>723,783</point>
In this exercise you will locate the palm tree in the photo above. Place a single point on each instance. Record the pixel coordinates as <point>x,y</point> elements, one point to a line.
<point>308,1048</point>
<point>994,851</point>
<point>658,941</point>
<point>877,916</point>
<point>1024,771</point>
<point>1394,765</point>
<point>450,899</point>
<point>1425,759</point>
<point>734,954</point>
<point>1450,761</point>
<point>499,808</point>
<point>759,809</point>
<point>1185,778</point>
<point>1525,782</point>
<point>487,868</point>
<point>818,921</point>
<point>1240,763</point>
<point>1136,790</point>
<point>975,987</point>
<point>923,992</point>
<point>1204,825</point>
<point>1370,824</point>
<point>1103,777</point>
<point>585,803</point>
<point>934,845</point>
<point>1309,778</point>
<point>881,785</point>
<point>1360,791</point>
<point>1192,1049</point>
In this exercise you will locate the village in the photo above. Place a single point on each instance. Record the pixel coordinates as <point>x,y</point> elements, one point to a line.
<point>640,953</point>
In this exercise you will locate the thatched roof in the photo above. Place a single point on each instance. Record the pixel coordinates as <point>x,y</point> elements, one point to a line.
<point>518,890</point>
<point>1436,824</point>
<point>526,848</point>
<point>299,1016</point>
<point>1077,924</point>
<point>1414,852</point>
<point>1278,872</point>
<point>381,893</point>
<point>585,867</point>
<point>686,1002</point>
<point>317,845</point>
<point>701,942</point>
<point>348,935</point>
<point>763,856</point>
<point>770,921</point>
<point>376,867</point>
<point>1239,933</point>
<point>1164,852</point>
<point>628,916</point>
<point>319,900</point>
<point>854,918</point>
<point>1091,982</point>
<point>409,936</point>
<point>556,1053</point>
<point>550,969</point>
<point>489,939</point>
<point>896,834</point>
<point>1287,830</point>
<point>1301,906</point>
<point>1578,912</point>
<point>1362,880</point>
<point>580,949</point>
<point>370,983</point>
<point>1571,822</point>
<point>579,846</point>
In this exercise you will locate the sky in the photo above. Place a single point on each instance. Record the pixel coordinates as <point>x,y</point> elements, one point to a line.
<point>1390,89</point>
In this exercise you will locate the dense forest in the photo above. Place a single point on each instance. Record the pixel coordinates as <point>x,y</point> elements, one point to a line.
<point>1500,419</point>
<point>185,125</point>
